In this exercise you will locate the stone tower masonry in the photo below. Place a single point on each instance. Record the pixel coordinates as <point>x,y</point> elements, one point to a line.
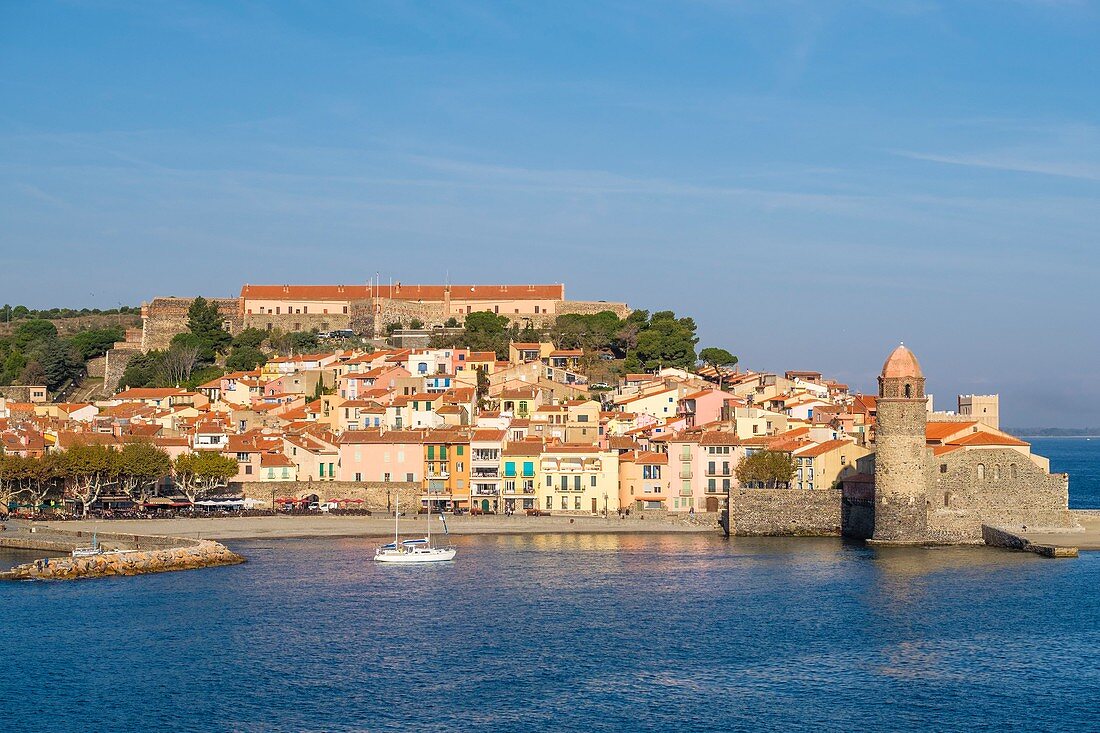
<point>901,484</point>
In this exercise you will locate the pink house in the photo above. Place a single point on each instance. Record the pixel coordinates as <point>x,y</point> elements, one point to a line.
<point>705,406</point>
<point>382,455</point>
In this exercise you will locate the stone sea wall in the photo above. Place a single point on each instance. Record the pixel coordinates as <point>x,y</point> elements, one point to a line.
<point>376,495</point>
<point>785,512</point>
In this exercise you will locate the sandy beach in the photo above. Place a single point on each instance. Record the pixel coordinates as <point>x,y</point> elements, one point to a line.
<point>1086,538</point>
<point>276,527</point>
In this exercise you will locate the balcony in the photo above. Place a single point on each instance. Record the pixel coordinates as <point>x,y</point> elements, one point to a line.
<point>485,473</point>
<point>685,473</point>
<point>439,474</point>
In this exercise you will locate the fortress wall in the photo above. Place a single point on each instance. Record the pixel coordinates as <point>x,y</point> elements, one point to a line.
<point>785,512</point>
<point>114,367</point>
<point>1008,491</point>
<point>588,307</point>
<point>97,367</point>
<point>296,321</point>
<point>163,318</point>
<point>376,495</point>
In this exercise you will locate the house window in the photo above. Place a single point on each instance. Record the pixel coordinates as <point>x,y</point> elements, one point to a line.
<point>593,480</point>
<point>576,502</point>
<point>358,477</point>
<point>248,470</point>
<point>943,468</point>
<point>409,477</point>
<point>981,471</point>
<point>565,502</point>
<point>549,502</point>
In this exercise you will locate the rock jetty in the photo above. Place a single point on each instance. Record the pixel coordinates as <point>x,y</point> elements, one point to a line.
<point>130,555</point>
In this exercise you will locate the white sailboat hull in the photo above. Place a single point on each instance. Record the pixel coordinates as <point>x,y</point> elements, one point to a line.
<point>439,554</point>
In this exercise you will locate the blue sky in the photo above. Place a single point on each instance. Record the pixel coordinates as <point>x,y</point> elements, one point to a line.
<point>812,181</point>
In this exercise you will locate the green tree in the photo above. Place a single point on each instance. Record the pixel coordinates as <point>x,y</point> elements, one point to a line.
<point>482,389</point>
<point>143,370</point>
<point>250,338</point>
<point>451,322</point>
<point>140,466</point>
<point>14,365</point>
<point>719,359</point>
<point>97,341</point>
<point>197,474</point>
<point>485,331</point>
<point>60,361</point>
<point>765,469</point>
<point>416,324</point>
<point>33,331</point>
<point>245,359</point>
<point>204,320</point>
<point>665,341</point>
<point>88,470</point>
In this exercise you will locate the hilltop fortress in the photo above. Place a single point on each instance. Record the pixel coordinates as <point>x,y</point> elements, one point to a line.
<point>366,309</point>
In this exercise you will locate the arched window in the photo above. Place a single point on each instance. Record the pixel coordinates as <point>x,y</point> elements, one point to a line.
<point>981,471</point>
<point>946,499</point>
<point>1012,470</point>
<point>996,473</point>
<point>908,391</point>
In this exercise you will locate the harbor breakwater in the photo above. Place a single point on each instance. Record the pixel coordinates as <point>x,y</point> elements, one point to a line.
<point>122,554</point>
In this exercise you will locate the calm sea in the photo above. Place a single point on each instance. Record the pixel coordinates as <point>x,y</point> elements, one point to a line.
<point>575,633</point>
<point>1080,458</point>
<point>565,632</point>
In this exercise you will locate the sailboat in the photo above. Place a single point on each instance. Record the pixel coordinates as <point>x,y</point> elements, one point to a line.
<point>413,550</point>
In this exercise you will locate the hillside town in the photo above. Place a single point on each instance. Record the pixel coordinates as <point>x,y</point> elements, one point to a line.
<point>523,429</point>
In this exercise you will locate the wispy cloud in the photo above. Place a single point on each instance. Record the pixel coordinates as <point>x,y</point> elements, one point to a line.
<point>1008,162</point>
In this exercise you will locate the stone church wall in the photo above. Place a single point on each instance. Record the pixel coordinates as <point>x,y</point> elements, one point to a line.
<point>999,487</point>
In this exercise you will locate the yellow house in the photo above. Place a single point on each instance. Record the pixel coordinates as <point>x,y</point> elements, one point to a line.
<point>277,467</point>
<point>822,465</point>
<point>519,352</point>
<point>578,479</point>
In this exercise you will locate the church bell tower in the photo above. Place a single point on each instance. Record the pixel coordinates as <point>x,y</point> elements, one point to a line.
<point>901,463</point>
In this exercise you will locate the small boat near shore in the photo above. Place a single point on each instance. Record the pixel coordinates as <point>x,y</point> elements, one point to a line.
<point>418,550</point>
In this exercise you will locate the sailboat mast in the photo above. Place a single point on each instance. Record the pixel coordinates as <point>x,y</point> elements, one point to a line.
<point>396,514</point>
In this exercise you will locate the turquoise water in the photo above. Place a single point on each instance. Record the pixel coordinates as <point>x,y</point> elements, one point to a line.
<point>566,632</point>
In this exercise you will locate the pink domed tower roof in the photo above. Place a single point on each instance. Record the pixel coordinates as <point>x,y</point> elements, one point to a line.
<point>902,364</point>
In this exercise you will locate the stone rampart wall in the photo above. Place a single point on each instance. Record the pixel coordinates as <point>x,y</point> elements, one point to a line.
<point>163,318</point>
<point>97,367</point>
<point>588,307</point>
<point>114,366</point>
<point>376,495</point>
<point>785,512</point>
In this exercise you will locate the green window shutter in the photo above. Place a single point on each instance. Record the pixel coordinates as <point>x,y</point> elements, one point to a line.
<point>442,452</point>
<point>458,450</point>
<point>528,468</point>
<point>431,452</point>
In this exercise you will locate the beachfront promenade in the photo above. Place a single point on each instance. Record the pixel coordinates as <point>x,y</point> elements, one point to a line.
<point>288,526</point>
